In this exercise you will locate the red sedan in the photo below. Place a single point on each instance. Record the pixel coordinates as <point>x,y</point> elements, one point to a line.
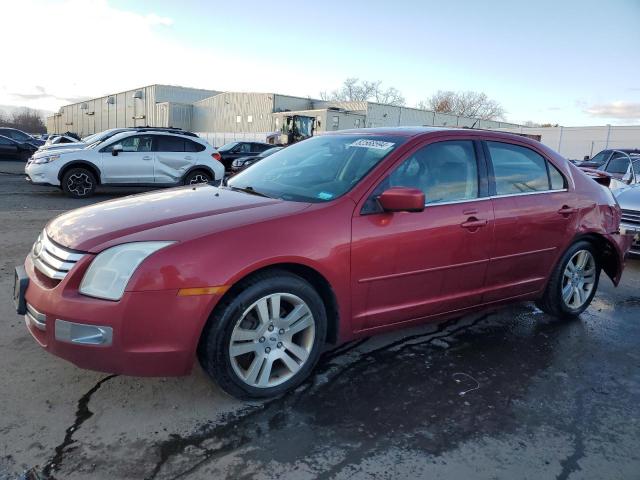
<point>340,236</point>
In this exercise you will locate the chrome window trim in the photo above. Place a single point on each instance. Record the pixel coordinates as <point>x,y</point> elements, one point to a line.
<point>455,202</point>
<point>490,197</point>
<point>528,193</point>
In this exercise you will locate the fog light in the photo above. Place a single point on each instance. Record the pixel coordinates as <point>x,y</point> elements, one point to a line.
<point>83,334</point>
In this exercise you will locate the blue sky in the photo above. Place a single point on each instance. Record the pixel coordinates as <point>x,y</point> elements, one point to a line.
<point>570,62</point>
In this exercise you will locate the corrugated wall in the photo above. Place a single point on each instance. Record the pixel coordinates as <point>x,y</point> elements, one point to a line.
<point>576,142</point>
<point>125,111</point>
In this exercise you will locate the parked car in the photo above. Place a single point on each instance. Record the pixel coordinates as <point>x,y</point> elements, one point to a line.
<point>629,200</point>
<point>20,136</point>
<point>60,139</point>
<point>231,151</point>
<point>605,156</point>
<point>10,148</point>
<point>106,134</point>
<point>241,163</point>
<point>148,158</point>
<point>339,236</point>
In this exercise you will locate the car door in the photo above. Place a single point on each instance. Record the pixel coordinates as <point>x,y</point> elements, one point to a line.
<point>134,164</point>
<point>174,156</point>
<point>534,213</point>
<point>8,147</point>
<point>408,266</point>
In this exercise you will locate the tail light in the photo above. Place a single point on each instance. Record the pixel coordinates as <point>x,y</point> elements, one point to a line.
<point>216,156</point>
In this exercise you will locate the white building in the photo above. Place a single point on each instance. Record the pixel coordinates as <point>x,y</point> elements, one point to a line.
<point>577,142</point>
<point>221,117</point>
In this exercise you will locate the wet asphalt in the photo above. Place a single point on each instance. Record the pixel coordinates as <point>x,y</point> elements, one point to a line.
<point>507,394</point>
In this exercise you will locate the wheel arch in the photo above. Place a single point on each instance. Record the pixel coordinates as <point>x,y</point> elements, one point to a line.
<point>607,253</point>
<point>80,163</point>
<point>199,167</point>
<point>311,275</point>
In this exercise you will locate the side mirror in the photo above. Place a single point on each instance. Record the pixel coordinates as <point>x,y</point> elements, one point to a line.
<point>116,150</point>
<point>402,199</point>
<point>586,157</point>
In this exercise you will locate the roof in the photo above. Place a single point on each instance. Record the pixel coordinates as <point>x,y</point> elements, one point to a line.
<point>415,131</point>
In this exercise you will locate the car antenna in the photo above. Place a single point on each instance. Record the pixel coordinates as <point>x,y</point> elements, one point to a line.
<point>474,123</point>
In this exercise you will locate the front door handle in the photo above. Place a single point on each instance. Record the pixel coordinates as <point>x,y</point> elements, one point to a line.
<point>566,210</point>
<point>473,223</point>
<point>147,157</point>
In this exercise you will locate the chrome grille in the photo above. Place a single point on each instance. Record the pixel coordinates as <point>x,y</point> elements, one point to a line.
<point>53,260</point>
<point>631,216</point>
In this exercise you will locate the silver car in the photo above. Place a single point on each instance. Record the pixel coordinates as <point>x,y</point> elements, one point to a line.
<point>627,192</point>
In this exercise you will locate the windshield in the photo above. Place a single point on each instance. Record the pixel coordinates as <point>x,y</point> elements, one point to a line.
<point>319,169</point>
<point>599,158</point>
<point>227,146</point>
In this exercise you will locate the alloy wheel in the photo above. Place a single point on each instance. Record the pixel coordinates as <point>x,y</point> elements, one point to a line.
<point>80,184</point>
<point>578,279</point>
<point>272,340</point>
<point>198,178</point>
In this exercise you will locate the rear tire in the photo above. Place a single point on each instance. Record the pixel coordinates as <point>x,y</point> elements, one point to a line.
<point>573,282</point>
<point>265,339</point>
<point>79,183</point>
<point>197,176</point>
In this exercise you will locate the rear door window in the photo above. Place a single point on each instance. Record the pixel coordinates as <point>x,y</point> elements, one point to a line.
<point>518,170</point>
<point>165,143</point>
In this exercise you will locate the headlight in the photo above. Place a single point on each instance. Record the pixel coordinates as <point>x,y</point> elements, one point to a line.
<point>110,271</point>
<point>47,159</point>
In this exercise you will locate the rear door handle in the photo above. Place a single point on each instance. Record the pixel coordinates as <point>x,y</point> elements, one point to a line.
<point>188,157</point>
<point>566,210</point>
<point>473,223</point>
<point>147,157</point>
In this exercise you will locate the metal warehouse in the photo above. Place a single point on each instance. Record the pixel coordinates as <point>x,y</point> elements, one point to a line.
<point>225,116</point>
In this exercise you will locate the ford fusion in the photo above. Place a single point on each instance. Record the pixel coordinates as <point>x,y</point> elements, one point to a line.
<point>340,236</point>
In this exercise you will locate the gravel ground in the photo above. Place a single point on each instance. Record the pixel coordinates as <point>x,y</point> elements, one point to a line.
<point>511,394</point>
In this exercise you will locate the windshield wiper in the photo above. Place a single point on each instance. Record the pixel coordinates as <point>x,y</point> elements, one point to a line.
<point>248,189</point>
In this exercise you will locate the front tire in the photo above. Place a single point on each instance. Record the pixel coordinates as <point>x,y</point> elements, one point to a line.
<point>265,339</point>
<point>573,283</point>
<point>79,183</point>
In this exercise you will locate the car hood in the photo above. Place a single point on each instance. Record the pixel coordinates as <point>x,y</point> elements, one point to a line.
<point>177,214</point>
<point>63,146</point>
<point>58,151</point>
<point>629,198</point>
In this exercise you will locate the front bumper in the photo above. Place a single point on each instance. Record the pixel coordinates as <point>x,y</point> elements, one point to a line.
<point>41,174</point>
<point>632,231</point>
<point>146,333</point>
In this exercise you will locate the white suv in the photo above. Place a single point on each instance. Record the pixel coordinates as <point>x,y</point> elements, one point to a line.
<point>141,158</point>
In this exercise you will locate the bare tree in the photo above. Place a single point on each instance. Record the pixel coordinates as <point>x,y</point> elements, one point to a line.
<point>25,119</point>
<point>467,104</point>
<point>354,90</point>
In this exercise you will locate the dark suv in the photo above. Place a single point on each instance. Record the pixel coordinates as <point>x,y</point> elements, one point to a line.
<point>230,151</point>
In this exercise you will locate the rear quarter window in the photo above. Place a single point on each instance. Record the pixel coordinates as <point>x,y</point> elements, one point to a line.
<point>190,146</point>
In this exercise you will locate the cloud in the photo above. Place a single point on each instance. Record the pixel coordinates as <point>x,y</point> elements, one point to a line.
<point>42,94</point>
<point>619,110</point>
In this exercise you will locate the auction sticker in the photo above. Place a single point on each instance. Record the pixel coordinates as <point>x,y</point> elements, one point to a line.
<point>376,144</point>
